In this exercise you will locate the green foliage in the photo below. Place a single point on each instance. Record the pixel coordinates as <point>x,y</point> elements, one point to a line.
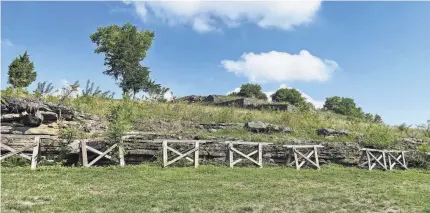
<point>156,92</point>
<point>15,92</point>
<point>14,161</point>
<point>124,48</point>
<point>43,89</point>
<point>378,119</point>
<point>71,133</point>
<point>424,148</point>
<point>68,90</point>
<point>343,106</point>
<point>292,96</point>
<point>213,189</point>
<point>21,71</point>
<point>120,117</point>
<point>251,91</point>
<point>425,128</point>
<point>380,136</point>
<point>89,91</point>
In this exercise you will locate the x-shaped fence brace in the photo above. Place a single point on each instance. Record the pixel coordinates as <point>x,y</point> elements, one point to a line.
<point>400,159</point>
<point>312,150</point>
<point>373,157</point>
<point>84,154</point>
<point>181,155</point>
<point>232,150</point>
<point>33,158</point>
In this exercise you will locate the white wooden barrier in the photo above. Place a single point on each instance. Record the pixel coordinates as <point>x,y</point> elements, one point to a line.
<point>85,148</point>
<point>232,150</point>
<point>34,158</point>
<point>375,157</point>
<point>298,155</point>
<point>180,155</point>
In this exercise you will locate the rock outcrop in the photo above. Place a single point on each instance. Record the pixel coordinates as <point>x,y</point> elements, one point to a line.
<point>261,127</point>
<point>332,132</point>
<point>24,116</point>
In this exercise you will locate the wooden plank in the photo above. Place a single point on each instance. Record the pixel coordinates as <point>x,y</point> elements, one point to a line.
<point>196,154</point>
<point>385,162</point>
<point>101,155</point>
<point>302,146</point>
<point>243,155</point>
<point>404,160</point>
<point>260,155</point>
<point>91,149</point>
<point>296,159</point>
<point>186,141</point>
<point>35,155</point>
<point>368,160</point>
<point>181,156</point>
<point>246,143</point>
<point>165,157</point>
<point>290,155</point>
<point>308,157</point>
<point>230,155</point>
<point>84,153</point>
<point>382,150</point>
<point>16,152</point>
<point>121,154</point>
<point>316,157</point>
<point>179,153</point>
<point>10,149</point>
<point>250,154</point>
<point>390,165</point>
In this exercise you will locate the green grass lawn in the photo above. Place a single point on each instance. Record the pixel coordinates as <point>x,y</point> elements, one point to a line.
<point>147,188</point>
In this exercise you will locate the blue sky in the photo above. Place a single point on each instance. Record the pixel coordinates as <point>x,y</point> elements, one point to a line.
<point>375,52</point>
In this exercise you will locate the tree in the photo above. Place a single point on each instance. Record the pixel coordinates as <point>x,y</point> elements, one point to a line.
<point>124,48</point>
<point>21,71</point>
<point>156,92</point>
<point>43,89</point>
<point>136,81</point>
<point>251,91</point>
<point>378,119</point>
<point>369,117</point>
<point>291,96</point>
<point>343,106</point>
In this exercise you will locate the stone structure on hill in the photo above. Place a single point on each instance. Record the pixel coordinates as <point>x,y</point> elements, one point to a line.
<point>36,117</point>
<point>252,103</point>
<point>23,119</point>
<point>332,132</point>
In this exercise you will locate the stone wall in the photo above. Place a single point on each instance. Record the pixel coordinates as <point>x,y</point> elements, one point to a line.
<point>22,120</point>
<point>252,103</point>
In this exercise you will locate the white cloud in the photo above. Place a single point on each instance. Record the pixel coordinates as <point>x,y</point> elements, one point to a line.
<point>6,42</point>
<point>206,16</point>
<point>281,67</point>
<point>235,90</point>
<point>317,103</point>
<point>168,95</point>
<point>65,85</point>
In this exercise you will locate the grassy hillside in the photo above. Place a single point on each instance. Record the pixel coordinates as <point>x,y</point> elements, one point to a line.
<point>213,189</point>
<point>304,123</point>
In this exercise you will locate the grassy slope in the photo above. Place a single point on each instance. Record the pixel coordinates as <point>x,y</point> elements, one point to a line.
<point>305,124</point>
<point>213,189</point>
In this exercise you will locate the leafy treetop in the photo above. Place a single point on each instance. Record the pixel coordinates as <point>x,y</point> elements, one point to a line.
<point>21,72</point>
<point>343,106</point>
<point>124,48</point>
<point>291,96</point>
<point>250,91</point>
